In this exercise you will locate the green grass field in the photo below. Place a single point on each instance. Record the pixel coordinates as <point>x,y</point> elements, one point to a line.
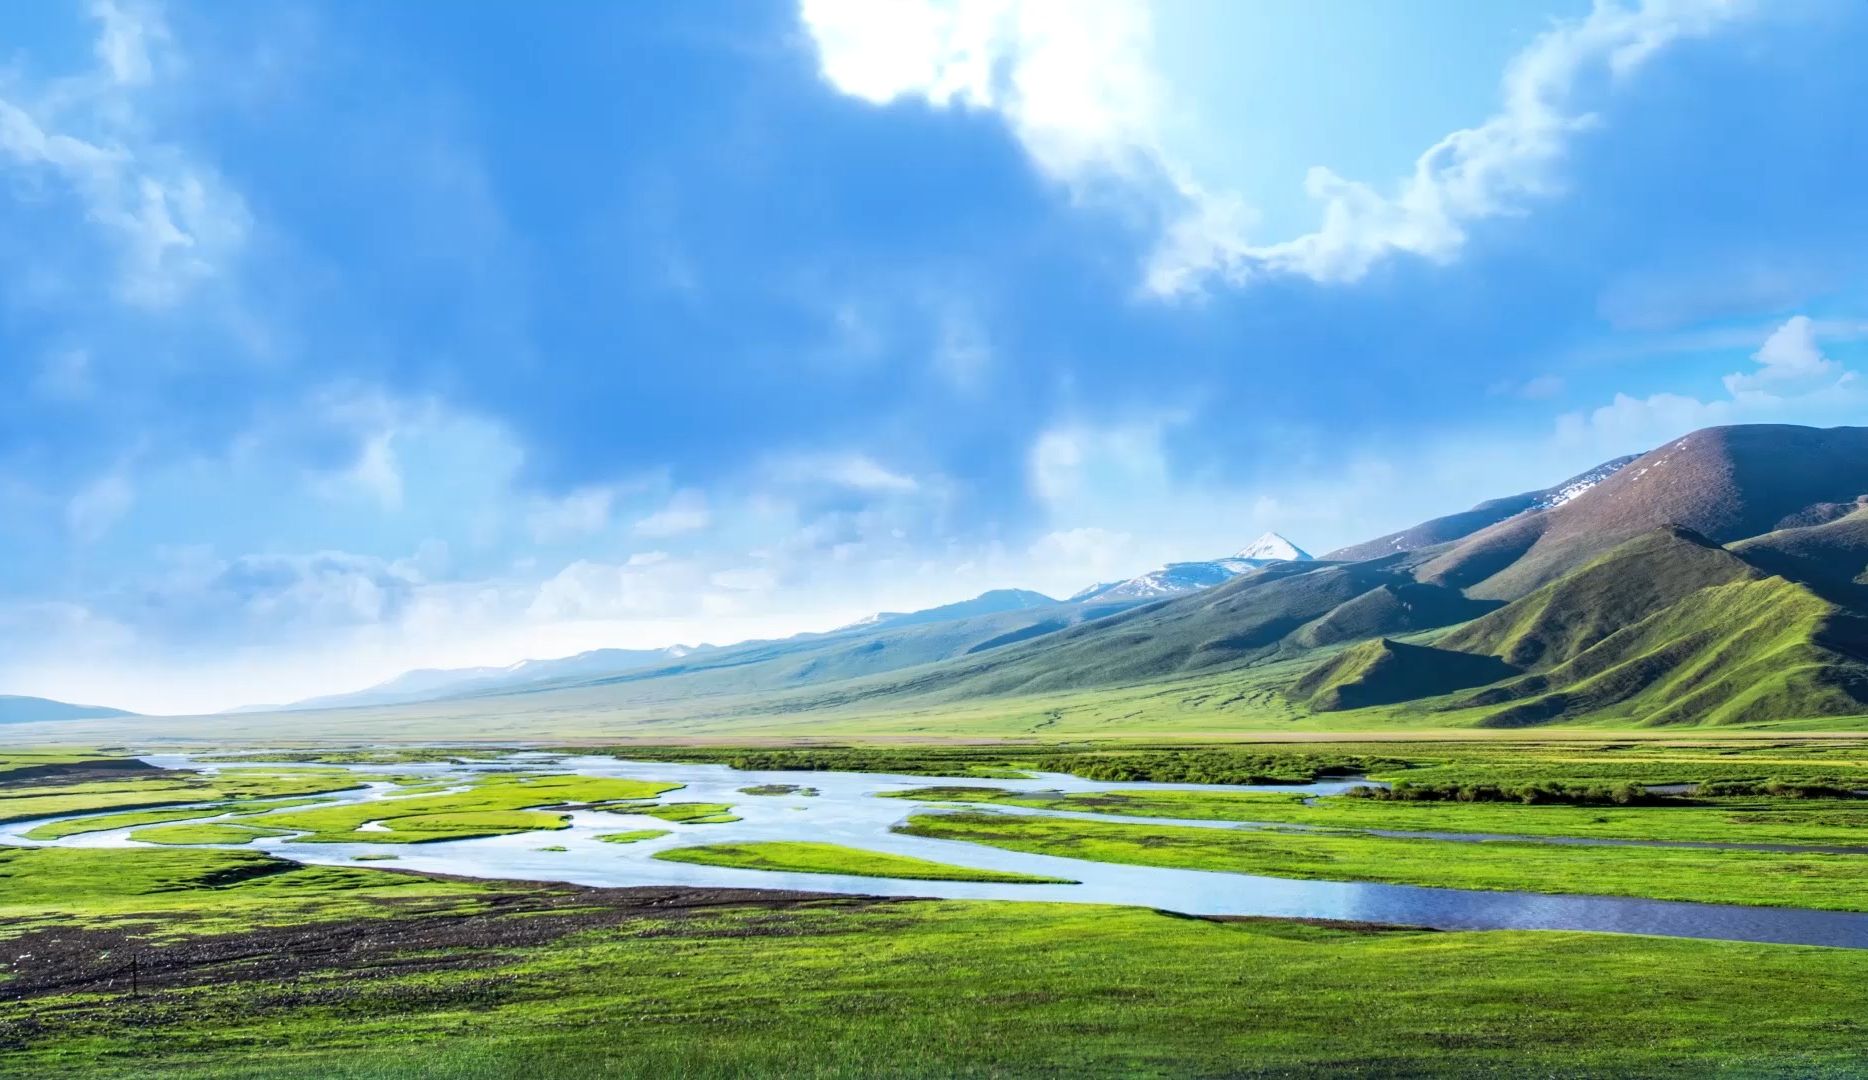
<point>683,813</point>
<point>1819,822</point>
<point>492,806</point>
<point>234,786</point>
<point>633,836</point>
<point>371,974</point>
<point>205,832</point>
<point>1712,876</point>
<point>254,966</point>
<point>802,857</point>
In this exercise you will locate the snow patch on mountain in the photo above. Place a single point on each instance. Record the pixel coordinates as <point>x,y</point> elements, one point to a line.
<point>1575,486</point>
<point>1185,577</point>
<point>1272,547</point>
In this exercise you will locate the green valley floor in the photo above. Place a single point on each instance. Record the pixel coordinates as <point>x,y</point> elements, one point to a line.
<point>371,973</point>
<point>169,960</point>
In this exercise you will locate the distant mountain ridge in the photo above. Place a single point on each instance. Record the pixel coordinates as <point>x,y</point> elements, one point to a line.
<point>1715,580</point>
<point>1176,579</point>
<point>427,684</point>
<point>878,644</point>
<point>1721,578</point>
<point>986,603</point>
<point>20,709</point>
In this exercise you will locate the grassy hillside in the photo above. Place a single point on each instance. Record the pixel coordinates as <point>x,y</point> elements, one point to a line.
<point>1387,672</point>
<point>1569,615</point>
<point>1747,652</point>
<point>1667,628</point>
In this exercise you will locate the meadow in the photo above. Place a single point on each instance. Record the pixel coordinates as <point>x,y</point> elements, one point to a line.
<point>174,960</point>
<point>248,970</point>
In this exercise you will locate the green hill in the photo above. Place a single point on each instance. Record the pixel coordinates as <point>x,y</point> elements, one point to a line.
<point>1387,672</point>
<point>1587,605</point>
<point>1748,652</point>
<point>1667,628</point>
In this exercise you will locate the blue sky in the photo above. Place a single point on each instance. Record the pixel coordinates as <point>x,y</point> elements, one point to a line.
<point>340,339</point>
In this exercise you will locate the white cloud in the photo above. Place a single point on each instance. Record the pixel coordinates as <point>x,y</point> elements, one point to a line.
<point>640,588</point>
<point>1629,421</point>
<point>376,472</point>
<point>856,471</point>
<point>1074,80</point>
<point>1789,358</point>
<point>1075,463</point>
<point>1077,84</point>
<point>92,511</point>
<point>579,513</point>
<point>1541,387</point>
<point>685,513</point>
<point>1794,382</point>
<point>1086,553</point>
<point>172,219</point>
<point>1488,170</point>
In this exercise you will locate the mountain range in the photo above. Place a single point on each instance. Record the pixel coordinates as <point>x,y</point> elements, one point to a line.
<point>870,646</point>
<point>1721,578</point>
<point>1185,577</point>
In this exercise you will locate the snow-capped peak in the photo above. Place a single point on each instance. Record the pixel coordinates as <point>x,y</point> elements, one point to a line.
<point>1273,548</point>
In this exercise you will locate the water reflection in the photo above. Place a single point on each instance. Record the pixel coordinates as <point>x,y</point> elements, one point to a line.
<point>846,811</point>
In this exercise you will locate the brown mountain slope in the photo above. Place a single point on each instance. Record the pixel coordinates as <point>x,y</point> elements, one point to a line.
<point>1458,526</point>
<point>1726,484</point>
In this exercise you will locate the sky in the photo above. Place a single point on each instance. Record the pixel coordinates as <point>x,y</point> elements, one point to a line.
<point>340,339</point>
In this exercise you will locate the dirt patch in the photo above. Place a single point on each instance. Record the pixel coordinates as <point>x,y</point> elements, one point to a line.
<point>79,772</point>
<point>61,960</point>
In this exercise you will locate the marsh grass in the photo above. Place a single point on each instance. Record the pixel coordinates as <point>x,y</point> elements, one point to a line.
<point>803,857</point>
<point>1713,876</point>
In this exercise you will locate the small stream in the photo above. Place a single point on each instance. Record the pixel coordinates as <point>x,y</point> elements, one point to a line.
<point>846,811</point>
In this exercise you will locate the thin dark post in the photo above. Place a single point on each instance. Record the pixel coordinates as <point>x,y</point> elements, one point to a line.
<point>135,982</point>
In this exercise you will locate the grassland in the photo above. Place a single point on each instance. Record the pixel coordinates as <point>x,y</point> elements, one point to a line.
<point>157,788</point>
<point>799,857</point>
<point>1499,759</point>
<point>1713,876</point>
<point>204,832</point>
<point>633,836</point>
<point>1829,823</point>
<point>253,968</point>
<point>189,892</point>
<point>56,830</point>
<point>493,806</point>
<point>683,813</point>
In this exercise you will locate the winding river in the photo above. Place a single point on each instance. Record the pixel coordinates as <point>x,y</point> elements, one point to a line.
<point>846,811</point>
